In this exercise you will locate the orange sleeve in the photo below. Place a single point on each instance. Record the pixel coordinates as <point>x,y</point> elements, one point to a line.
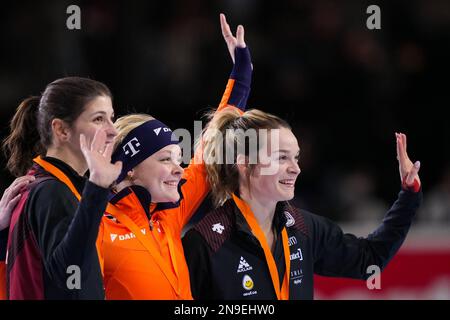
<point>99,245</point>
<point>226,96</point>
<point>196,187</point>
<point>2,280</point>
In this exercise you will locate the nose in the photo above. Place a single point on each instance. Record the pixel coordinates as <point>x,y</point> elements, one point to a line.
<point>294,168</point>
<point>177,169</point>
<point>110,130</point>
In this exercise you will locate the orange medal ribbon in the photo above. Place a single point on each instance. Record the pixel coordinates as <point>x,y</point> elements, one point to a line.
<point>249,216</point>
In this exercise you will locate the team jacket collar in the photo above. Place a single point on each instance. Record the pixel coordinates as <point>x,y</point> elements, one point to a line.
<point>279,219</point>
<point>77,180</point>
<point>145,199</point>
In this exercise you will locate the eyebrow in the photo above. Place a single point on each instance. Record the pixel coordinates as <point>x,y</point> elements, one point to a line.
<point>286,151</point>
<point>162,152</point>
<point>102,113</point>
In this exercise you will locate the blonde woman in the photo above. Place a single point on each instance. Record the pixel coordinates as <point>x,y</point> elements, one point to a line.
<point>140,235</point>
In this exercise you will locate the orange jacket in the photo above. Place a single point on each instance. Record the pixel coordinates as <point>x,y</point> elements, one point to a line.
<point>158,271</point>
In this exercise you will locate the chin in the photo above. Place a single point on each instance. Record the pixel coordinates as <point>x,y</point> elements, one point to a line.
<point>173,198</point>
<point>168,198</point>
<point>287,196</point>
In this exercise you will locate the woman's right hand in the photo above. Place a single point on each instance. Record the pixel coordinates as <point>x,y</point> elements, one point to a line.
<point>10,198</point>
<point>98,157</point>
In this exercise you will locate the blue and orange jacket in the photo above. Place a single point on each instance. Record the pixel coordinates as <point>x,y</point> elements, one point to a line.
<point>148,262</point>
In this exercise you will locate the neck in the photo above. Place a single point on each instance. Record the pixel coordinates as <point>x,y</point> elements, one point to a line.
<point>262,209</point>
<point>76,161</point>
<point>122,185</point>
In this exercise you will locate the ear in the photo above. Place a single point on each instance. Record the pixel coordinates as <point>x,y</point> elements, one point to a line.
<point>242,164</point>
<point>130,175</point>
<point>61,131</point>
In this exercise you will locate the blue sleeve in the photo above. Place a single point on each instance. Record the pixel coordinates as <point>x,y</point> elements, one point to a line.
<point>242,75</point>
<point>344,255</point>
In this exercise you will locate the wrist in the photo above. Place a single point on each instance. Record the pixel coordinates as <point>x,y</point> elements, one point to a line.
<point>414,187</point>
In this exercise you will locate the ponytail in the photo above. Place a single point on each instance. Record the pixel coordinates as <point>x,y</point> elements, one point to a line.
<point>23,143</point>
<point>223,178</point>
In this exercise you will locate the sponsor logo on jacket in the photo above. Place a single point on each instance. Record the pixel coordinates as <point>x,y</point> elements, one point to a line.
<point>126,236</point>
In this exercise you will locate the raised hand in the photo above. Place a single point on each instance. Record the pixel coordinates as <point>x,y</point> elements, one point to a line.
<point>98,157</point>
<point>10,198</point>
<point>409,172</point>
<point>232,41</point>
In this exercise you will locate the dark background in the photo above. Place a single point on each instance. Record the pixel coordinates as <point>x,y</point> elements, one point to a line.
<point>344,89</point>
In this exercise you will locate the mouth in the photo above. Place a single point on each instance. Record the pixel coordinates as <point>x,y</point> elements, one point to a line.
<point>172,183</point>
<point>290,183</point>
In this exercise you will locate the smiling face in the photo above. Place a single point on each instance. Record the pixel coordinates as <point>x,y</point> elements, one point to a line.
<point>160,174</point>
<point>97,114</point>
<point>273,179</point>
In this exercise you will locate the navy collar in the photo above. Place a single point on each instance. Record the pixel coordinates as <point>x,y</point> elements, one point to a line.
<point>145,198</point>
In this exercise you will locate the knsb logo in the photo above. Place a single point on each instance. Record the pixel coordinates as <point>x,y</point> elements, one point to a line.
<point>247,282</point>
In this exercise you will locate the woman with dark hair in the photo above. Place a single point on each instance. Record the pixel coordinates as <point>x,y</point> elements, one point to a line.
<point>57,138</point>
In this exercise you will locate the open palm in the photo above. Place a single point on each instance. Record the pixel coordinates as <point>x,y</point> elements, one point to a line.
<point>409,171</point>
<point>98,157</point>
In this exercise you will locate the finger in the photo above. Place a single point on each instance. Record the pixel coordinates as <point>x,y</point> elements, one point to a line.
<point>413,174</point>
<point>401,154</point>
<point>99,141</point>
<point>226,31</point>
<point>12,203</point>
<point>18,187</point>
<point>108,151</point>
<point>240,33</point>
<point>404,139</point>
<point>118,167</point>
<point>405,153</point>
<point>83,145</point>
<point>22,179</point>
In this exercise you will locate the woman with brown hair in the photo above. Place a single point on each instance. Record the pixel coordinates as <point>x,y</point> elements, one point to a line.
<point>255,244</point>
<point>57,137</point>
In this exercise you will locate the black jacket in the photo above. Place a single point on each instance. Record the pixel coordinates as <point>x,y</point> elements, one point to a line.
<point>55,231</point>
<point>219,262</point>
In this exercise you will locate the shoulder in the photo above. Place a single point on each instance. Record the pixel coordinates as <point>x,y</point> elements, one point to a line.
<point>217,226</point>
<point>303,221</point>
<point>49,198</point>
<point>50,189</point>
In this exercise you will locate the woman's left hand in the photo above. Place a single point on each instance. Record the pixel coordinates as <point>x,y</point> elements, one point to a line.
<point>232,41</point>
<point>409,171</point>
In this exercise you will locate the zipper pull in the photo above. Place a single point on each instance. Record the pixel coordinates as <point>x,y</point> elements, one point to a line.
<point>151,225</point>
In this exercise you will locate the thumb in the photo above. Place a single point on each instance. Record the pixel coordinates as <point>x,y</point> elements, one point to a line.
<point>240,36</point>
<point>118,165</point>
<point>413,174</point>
